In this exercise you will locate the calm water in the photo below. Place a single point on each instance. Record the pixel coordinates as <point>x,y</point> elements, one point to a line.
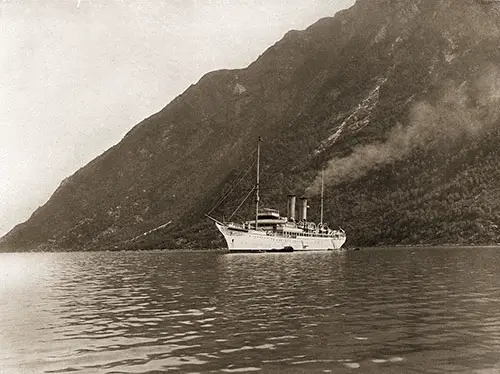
<point>369,311</point>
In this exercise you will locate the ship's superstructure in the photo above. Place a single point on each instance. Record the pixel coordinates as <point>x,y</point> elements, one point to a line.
<point>269,231</point>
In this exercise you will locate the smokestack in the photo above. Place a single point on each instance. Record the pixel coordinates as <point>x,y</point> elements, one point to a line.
<point>291,208</point>
<point>303,209</point>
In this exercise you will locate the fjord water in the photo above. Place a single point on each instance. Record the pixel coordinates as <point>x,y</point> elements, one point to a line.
<point>371,311</point>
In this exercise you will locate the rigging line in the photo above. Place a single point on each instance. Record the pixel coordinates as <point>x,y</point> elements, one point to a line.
<point>221,200</point>
<point>239,206</point>
<point>242,172</point>
<point>231,189</point>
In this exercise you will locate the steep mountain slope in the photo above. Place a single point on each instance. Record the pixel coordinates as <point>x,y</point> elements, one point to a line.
<point>397,99</point>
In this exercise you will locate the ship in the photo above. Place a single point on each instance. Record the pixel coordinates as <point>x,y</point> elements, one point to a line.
<point>268,231</point>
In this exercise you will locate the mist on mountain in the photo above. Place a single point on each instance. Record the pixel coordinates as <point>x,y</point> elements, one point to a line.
<point>462,109</point>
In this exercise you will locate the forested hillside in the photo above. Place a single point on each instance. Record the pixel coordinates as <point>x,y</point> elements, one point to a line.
<point>397,101</point>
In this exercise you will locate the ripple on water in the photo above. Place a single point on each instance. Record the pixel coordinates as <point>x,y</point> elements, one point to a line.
<point>137,312</point>
<point>241,369</point>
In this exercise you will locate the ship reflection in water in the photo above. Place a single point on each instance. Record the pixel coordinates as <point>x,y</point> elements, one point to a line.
<point>373,311</point>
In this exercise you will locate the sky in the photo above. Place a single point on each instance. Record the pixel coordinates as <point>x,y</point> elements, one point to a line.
<point>76,75</point>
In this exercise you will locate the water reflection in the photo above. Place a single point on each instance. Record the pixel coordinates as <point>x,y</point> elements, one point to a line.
<point>382,310</point>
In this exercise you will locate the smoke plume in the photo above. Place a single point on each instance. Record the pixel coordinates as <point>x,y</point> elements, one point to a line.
<point>461,110</point>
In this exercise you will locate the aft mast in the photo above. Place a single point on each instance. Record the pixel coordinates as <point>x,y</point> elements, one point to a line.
<point>322,195</point>
<point>257,198</point>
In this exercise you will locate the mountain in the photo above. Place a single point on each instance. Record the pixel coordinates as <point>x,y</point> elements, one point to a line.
<point>397,101</point>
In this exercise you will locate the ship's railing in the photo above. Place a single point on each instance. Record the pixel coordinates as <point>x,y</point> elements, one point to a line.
<point>335,235</point>
<point>236,225</point>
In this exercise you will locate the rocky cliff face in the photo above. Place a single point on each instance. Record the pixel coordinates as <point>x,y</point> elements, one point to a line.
<point>397,100</point>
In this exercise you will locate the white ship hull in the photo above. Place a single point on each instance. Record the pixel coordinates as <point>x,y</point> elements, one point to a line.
<point>260,240</point>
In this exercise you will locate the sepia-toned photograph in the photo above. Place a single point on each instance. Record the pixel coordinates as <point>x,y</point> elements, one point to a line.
<point>236,186</point>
